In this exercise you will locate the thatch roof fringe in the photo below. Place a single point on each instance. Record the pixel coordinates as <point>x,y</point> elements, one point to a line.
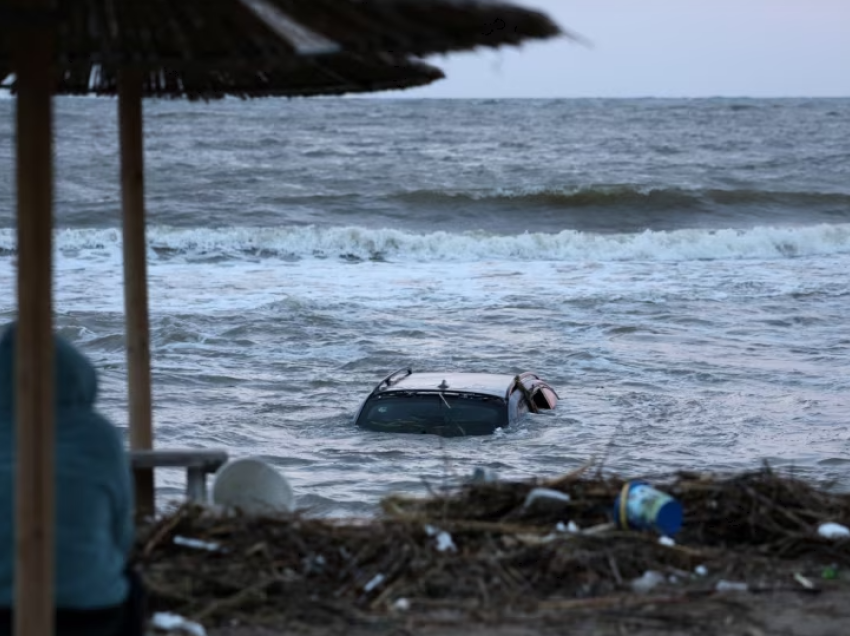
<point>334,75</point>
<point>202,31</point>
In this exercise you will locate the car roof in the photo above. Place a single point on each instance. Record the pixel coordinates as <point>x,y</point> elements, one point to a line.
<point>484,383</point>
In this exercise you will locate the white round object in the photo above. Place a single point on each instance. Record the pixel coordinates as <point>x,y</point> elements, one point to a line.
<point>833,531</point>
<point>252,486</point>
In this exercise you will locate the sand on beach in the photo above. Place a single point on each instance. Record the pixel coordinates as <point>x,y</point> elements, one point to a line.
<point>789,613</point>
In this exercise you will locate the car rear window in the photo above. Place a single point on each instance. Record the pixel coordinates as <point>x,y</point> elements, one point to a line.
<point>468,413</point>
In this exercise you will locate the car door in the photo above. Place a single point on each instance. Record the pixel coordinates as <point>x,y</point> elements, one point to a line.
<point>517,405</point>
<point>538,392</point>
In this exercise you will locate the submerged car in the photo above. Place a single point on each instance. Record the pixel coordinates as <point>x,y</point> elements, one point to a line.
<point>452,404</point>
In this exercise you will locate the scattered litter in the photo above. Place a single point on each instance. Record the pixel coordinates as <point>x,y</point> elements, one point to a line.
<point>545,498</point>
<point>666,541</point>
<point>445,542</point>
<point>731,586</point>
<point>401,605</point>
<point>168,622</point>
<point>802,580</point>
<point>375,582</point>
<point>536,539</point>
<point>444,539</point>
<point>571,527</point>
<point>639,506</point>
<point>647,582</point>
<point>197,544</point>
<point>600,528</point>
<point>750,516</point>
<point>833,531</point>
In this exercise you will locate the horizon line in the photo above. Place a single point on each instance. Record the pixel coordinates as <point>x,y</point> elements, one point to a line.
<point>396,95</point>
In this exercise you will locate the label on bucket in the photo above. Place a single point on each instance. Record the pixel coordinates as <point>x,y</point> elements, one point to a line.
<point>647,508</point>
<point>644,503</point>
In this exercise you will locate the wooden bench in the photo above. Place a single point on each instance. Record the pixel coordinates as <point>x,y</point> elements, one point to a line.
<point>197,462</point>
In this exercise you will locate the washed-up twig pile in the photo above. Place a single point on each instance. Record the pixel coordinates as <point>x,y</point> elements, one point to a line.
<point>482,548</point>
<point>776,514</point>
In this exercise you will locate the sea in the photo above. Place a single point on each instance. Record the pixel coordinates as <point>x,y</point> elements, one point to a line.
<point>678,269</point>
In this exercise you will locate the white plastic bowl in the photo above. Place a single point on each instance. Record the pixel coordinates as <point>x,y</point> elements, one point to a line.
<point>252,486</point>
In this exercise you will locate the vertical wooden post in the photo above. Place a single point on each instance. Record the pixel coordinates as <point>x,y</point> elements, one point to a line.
<point>135,278</point>
<point>34,478</point>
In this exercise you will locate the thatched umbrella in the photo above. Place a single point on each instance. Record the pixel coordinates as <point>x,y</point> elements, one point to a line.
<point>331,74</point>
<point>197,48</point>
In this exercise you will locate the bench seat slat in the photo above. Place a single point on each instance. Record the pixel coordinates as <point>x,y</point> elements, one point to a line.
<point>209,460</point>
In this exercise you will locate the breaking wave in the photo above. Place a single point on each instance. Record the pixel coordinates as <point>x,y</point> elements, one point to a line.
<point>632,197</point>
<point>360,244</point>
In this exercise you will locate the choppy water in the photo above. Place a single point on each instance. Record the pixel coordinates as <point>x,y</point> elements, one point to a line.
<point>678,269</point>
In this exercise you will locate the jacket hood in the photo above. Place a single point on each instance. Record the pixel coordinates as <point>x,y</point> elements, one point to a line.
<point>75,378</point>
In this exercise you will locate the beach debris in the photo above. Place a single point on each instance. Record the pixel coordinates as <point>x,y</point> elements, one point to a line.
<point>802,580</point>
<point>571,527</point>
<point>648,581</point>
<point>170,623</point>
<point>666,541</point>
<point>282,566</point>
<point>374,582</point>
<point>830,572</point>
<point>546,498</point>
<point>197,544</point>
<point>639,506</point>
<point>401,605</point>
<point>600,528</point>
<point>313,563</point>
<point>833,531</point>
<point>536,539</point>
<point>444,539</point>
<point>445,542</point>
<point>731,586</point>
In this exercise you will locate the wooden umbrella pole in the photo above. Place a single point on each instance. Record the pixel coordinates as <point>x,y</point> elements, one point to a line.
<point>135,278</point>
<point>34,479</point>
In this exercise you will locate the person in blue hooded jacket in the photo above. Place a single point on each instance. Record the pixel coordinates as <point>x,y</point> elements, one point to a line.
<point>96,593</point>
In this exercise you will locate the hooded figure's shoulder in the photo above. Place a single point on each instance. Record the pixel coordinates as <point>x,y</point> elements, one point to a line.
<point>76,377</point>
<point>81,431</point>
<point>75,384</point>
<point>89,450</point>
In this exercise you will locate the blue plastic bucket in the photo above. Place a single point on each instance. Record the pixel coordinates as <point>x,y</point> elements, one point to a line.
<point>639,506</point>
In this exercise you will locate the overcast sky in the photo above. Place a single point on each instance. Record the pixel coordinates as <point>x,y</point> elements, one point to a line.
<point>667,48</point>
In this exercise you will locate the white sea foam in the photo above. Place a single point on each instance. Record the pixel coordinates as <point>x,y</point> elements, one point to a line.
<point>395,245</point>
